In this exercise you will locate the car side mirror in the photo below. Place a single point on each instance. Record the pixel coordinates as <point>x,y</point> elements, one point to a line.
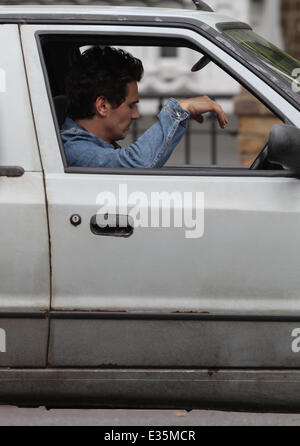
<point>284,146</point>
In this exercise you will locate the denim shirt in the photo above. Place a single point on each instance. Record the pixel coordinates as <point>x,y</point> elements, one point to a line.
<point>151,150</point>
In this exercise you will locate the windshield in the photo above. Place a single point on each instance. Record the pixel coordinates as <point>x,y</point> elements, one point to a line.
<point>272,57</point>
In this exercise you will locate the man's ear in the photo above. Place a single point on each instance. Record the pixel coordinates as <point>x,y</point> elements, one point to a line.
<point>102,106</point>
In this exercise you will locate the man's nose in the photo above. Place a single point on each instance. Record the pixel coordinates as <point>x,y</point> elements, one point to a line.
<point>136,114</point>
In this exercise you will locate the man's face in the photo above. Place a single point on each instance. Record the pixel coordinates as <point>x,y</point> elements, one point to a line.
<point>119,119</point>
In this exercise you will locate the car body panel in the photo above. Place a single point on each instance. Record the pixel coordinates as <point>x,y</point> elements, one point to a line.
<point>159,269</point>
<point>156,319</point>
<point>23,339</point>
<point>25,267</point>
<point>24,239</point>
<point>173,341</point>
<point>18,148</point>
<point>48,13</point>
<point>250,390</point>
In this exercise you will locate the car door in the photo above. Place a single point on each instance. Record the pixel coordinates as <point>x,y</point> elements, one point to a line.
<point>24,242</point>
<point>205,294</point>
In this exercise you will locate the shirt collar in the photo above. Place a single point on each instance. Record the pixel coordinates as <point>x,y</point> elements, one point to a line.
<point>71,125</point>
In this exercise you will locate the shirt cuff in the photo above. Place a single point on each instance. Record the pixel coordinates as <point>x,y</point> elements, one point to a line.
<point>176,111</point>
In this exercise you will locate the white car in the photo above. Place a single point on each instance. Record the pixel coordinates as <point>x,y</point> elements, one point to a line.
<point>140,316</point>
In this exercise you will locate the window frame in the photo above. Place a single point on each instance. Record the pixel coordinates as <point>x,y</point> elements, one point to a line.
<point>182,170</point>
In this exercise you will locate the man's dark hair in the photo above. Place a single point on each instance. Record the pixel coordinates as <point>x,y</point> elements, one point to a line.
<point>100,72</point>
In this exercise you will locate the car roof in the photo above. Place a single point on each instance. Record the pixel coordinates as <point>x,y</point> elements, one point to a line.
<point>73,13</point>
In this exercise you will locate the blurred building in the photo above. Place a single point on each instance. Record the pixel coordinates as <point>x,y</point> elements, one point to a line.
<point>290,21</point>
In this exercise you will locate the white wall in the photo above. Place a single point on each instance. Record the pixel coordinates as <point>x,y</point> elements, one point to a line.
<point>239,9</point>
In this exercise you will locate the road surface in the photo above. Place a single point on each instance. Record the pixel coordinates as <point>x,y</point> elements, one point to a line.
<point>13,416</point>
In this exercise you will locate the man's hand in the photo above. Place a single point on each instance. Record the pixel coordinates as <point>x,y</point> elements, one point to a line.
<point>203,104</point>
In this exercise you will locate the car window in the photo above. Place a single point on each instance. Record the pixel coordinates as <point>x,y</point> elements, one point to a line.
<point>206,144</point>
<point>168,73</point>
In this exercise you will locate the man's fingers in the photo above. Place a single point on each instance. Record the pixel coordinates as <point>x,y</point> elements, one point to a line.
<point>222,118</point>
<point>203,104</point>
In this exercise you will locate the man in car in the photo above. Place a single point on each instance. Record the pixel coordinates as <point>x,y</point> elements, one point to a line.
<point>102,98</point>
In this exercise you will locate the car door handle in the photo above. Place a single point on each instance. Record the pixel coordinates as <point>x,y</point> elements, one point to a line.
<point>112,225</point>
<point>11,171</point>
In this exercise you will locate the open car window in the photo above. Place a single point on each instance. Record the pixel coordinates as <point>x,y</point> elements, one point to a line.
<point>168,64</point>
